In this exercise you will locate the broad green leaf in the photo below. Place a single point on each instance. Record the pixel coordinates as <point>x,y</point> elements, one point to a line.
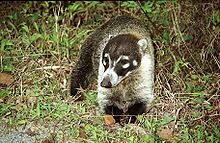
<point>21,122</point>
<point>34,37</point>
<point>4,43</point>
<point>194,77</point>
<point>166,120</point>
<point>38,110</point>
<point>13,26</point>
<point>26,29</point>
<point>36,26</point>
<point>166,37</point>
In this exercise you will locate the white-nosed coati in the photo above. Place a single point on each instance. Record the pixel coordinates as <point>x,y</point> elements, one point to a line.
<point>120,54</point>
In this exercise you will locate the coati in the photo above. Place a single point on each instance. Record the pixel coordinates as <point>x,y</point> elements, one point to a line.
<point>120,54</point>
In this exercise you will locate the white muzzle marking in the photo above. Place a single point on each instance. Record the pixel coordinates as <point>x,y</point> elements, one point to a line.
<point>110,78</point>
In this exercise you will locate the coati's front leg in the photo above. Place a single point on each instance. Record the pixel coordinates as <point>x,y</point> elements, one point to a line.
<point>115,112</point>
<point>136,109</point>
<point>107,107</point>
<point>133,111</point>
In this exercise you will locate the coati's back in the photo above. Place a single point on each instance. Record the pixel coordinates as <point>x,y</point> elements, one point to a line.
<point>120,55</point>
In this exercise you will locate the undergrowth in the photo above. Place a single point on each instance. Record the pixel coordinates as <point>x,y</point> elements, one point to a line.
<point>40,43</point>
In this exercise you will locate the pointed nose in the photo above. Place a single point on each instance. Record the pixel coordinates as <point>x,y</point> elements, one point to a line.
<point>106,82</point>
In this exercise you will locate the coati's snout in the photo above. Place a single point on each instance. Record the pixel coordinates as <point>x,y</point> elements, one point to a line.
<point>106,82</point>
<point>111,78</point>
<point>121,56</point>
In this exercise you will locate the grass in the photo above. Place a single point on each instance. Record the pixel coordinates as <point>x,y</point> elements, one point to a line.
<point>40,43</point>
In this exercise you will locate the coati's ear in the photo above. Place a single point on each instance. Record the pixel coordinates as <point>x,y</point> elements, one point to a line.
<point>143,44</point>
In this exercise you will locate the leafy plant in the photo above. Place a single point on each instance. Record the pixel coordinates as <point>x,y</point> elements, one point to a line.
<point>215,19</point>
<point>181,63</point>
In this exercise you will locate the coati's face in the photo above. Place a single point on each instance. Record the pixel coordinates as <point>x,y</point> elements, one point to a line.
<point>121,56</point>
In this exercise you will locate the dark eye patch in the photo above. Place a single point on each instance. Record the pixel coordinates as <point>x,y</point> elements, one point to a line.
<point>124,61</point>
<point>121,69</point>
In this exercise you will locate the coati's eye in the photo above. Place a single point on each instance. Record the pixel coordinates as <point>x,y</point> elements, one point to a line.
<point>125,63</point>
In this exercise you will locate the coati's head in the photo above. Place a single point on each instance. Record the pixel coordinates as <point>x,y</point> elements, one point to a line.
<point>121,56</point>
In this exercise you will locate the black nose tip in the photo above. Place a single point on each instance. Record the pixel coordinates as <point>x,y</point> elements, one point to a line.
<point>106,83</point>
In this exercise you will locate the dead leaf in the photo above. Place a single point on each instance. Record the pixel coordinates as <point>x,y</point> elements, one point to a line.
<point>19,107</point>
<point>166,134</point>
<point>37,140</point>
<point>29,91</point>
<point>50,139</point>
<point>31,99</point>
<point>109,119</point>
<point>82,132</point>
<point>6,79</point>
<point>30,132</point>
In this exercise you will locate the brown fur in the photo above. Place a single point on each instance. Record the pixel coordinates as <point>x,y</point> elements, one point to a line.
<point>86,69</point>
